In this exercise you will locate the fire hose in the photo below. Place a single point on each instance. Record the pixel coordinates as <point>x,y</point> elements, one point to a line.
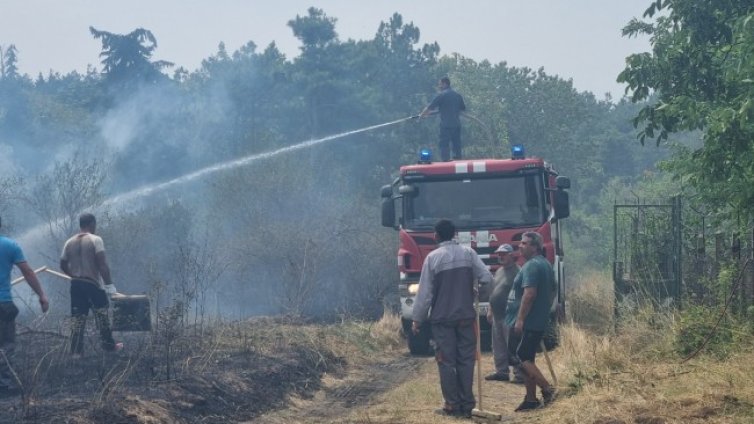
<point>484,126</point>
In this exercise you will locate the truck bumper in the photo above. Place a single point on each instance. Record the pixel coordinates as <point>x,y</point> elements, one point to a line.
<point>407,308</point>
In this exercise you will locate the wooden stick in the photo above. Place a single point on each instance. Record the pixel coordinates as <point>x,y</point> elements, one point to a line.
<point>22,278</point>
<point>549,364</point>
<point>40,270</point>
<point>479,414</point>
<point>478,352</point>
<point>58,274</point>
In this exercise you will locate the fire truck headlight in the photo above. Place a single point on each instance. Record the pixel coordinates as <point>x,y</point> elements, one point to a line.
<point>517,151</point>
<point>413,288</point>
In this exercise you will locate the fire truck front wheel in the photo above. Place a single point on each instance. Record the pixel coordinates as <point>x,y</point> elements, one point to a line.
<point>418,344</point>
<point>485,335</point>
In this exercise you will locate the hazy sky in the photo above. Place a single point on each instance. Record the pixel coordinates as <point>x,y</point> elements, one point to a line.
<point>578,39</point>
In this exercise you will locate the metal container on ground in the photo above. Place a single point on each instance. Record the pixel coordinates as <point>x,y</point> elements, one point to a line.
<point>131,313</point>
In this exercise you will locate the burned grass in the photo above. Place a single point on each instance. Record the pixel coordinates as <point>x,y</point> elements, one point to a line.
<point>227,372</point>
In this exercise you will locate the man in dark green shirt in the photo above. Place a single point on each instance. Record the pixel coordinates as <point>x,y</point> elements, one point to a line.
<point>534,287</point>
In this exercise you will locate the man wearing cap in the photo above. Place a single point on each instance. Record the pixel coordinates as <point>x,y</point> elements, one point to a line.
<point>502,284</point>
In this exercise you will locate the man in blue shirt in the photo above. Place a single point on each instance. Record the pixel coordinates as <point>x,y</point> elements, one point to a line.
<point>450,105</point>
<point>534,287</point>
<point>10,255</point>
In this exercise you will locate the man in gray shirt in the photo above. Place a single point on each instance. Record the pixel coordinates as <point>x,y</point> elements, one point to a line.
<point>446,300</point>
<point>503,282</point>
<point>450,105</point>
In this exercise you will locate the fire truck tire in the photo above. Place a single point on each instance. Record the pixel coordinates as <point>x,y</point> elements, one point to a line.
<point>485,341</point>
<point>418,344</point>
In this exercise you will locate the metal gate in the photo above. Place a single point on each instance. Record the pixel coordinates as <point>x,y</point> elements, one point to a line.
<point>647,251</point>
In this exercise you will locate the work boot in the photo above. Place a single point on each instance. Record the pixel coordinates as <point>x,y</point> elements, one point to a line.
<point>447,412</point>
<point>528,405</point>
<point>497,377</point>
<point>549,395</point>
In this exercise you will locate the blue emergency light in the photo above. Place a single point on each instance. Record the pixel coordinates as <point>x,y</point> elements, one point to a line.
<point>425,156</point>
<point>517,151</point>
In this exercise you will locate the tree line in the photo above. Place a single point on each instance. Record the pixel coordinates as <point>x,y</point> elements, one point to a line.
<point>301,232</point>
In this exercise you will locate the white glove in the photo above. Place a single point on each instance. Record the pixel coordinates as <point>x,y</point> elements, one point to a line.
<point>110,289</point>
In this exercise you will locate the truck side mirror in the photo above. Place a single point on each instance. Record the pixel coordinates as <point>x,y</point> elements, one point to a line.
<point>562,182</point>
<point>388,212</point>
<point>408,190</point>
<point>386,191</point>
<point>561,205</point>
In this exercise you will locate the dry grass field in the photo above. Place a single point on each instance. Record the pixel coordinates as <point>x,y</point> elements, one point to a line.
<point>287,371</point>
<point>632,375</point>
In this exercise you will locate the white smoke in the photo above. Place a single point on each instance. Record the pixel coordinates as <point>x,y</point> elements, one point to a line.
<point>118,127</point>
<point>8,167</point>
<point>136,115</point>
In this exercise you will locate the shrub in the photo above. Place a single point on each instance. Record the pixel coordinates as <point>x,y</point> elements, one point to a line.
<point>696,323</point>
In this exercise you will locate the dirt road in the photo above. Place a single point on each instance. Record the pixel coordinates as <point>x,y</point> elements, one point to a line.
<point>391,389</point>
<point>357,388</point>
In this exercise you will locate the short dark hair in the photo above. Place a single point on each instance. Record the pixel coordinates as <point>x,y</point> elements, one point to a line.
<point>535,238</point>
<point>445,229</point>
<point>445,80</point>
<point>86,220</point>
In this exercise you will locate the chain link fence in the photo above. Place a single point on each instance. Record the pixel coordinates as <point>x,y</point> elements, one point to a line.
<point>668,252</point>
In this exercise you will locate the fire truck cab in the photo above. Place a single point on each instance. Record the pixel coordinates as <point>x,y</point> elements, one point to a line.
<point>491,202</point>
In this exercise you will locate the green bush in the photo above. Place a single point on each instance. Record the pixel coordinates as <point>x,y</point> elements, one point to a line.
<point>696,323</point>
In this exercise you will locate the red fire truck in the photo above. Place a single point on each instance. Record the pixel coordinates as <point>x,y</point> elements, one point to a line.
<point>491,202</point>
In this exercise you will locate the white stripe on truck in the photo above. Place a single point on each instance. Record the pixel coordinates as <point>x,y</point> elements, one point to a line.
<point>482,239</point>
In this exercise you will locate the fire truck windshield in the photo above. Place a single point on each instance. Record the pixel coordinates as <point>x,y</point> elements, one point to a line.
<point>483,203</point>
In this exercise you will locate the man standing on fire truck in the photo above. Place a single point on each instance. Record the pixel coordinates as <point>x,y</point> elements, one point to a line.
<point>446,286</point>
<point>450,105</point>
